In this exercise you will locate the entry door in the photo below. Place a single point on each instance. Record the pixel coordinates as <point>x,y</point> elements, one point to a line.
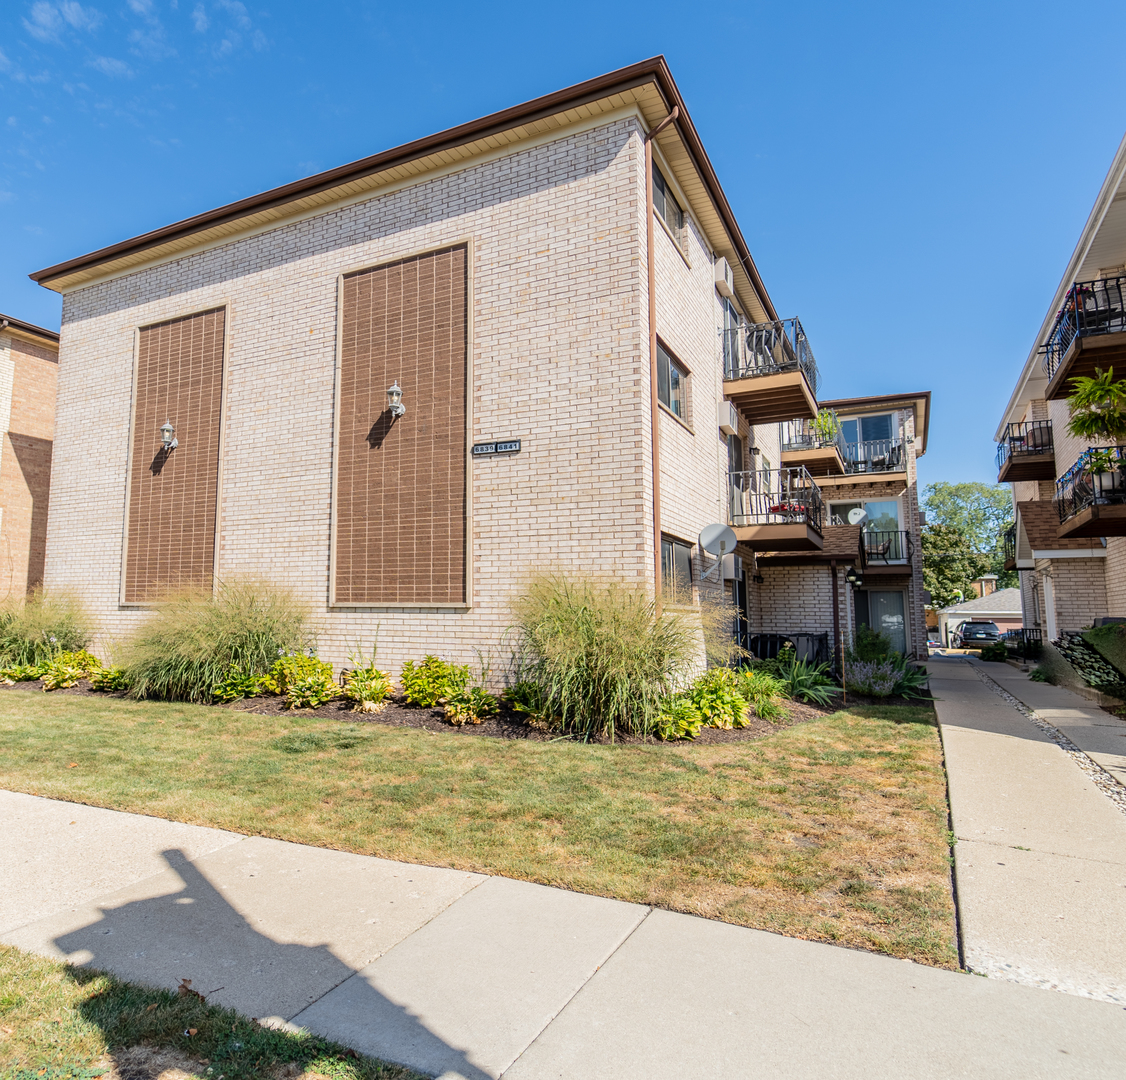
<point>884,611</point>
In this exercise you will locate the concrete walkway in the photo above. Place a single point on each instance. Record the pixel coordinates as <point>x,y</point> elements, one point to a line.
<point>462,975</point>
<point>1041,852</point>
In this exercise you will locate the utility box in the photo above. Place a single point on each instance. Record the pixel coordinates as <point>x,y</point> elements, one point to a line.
<point>728,418</point>
<point>724,278</point>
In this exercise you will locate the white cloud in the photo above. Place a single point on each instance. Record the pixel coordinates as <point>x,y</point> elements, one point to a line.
<point>199,17</point>
<point>141,7</point>
<point>79,17</point>
<point>45,21</point>
<point>107,65</point>
<point>238,11</point>
<point>258,40</point>
<point>12,121</point>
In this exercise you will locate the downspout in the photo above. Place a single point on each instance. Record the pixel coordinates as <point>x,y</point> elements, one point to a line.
<point>654,412</point>
<point>837,643</point>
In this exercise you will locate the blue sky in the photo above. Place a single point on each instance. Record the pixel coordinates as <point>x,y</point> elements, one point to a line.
<point>910,178</point>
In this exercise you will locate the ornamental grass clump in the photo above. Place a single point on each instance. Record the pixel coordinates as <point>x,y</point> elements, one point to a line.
<point>196,640</point>
<point>604,656</point>
<point>35,630</point>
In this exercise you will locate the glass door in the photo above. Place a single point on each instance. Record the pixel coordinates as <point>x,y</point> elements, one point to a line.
<point>883,540</point>
<point>886,614</point>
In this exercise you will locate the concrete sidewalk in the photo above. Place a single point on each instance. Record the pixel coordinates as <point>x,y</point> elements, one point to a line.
<point>462,975</point>
<point>1041,852</point>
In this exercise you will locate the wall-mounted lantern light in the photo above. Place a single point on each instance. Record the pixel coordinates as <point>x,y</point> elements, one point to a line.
<point>853,578</point>
<point>395,399</point>
<point>167,436</point>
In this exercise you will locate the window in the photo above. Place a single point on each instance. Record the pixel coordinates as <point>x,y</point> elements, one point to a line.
<point>676,571</point>
<point>672,384</point>
<point>867,429</point>
<point>734,454</point>
<point>664,202</point>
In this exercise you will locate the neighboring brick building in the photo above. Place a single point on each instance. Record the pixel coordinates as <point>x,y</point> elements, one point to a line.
<point>29,365</point>
<point>1069,495</point>
<point>558,344</point>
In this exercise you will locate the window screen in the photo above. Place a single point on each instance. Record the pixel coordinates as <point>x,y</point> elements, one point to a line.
<point>676,570</point>
<point>672,383</point>
<point>666,205</point>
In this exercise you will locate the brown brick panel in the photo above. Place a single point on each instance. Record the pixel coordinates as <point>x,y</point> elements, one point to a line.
<point>173,496</point>
<point>401,486</point>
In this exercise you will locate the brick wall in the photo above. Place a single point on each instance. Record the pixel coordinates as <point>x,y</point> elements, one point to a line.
<point>29,374</point>
<point>559,359</point>
<point>1079,587</point>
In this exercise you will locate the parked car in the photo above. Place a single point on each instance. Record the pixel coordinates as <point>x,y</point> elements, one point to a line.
<point>972,635</point>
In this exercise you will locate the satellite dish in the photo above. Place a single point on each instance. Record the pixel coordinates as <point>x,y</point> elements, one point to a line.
<point>857,516</point>
<point>717,540</point>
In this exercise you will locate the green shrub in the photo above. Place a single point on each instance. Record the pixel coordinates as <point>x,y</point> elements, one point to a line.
<point>679,719</point>
<point>431,682</point>
<point>195,640</point>
<point>869,644</point>
<point>365,685</point>
<point>312,690</point>
<point>288,669</point>
<point>469,705</point>
<point>527,696</point>
<point>911,679</point>
<point>995,653</point>
<point>762,690</point>
<point>877,678</point>
<point>34,630</point>
<point>109,679</point>
<point>235,685</point>
<point>1038,674</point>
<point>604,656</point>
<point>803,680</point>
<point>717,696</point>
<point>22,673</point>
<point>66,669</point>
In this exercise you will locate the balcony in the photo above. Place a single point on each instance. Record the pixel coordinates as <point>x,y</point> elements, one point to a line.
<point>803,445</point>
<point>775,509</point>
<point>1026,452</point>
<point>1009,541</point>
<point>871,461</point>
<point>1091,495</point>
<point>882,550</point>
<point>769,371</point>
<point>1089,333</point>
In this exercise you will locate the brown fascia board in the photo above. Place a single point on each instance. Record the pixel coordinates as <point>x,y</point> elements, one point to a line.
<point>884,400</point>
<point>654,70</point>
<point>27,328</point>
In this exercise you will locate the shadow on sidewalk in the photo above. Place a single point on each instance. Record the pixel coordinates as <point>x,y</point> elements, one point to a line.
<point>195,934</point>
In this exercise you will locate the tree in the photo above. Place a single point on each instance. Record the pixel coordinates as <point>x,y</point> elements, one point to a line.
<point>1098,407</point>
<point>978,515</point>
<point>950,564</point>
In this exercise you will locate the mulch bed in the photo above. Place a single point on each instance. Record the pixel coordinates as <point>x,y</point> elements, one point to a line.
<point>506,724</point>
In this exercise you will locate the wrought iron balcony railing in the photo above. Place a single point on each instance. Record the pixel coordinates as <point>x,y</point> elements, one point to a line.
<point>1098,478</point>
<point>1009,541</point>
<point>879,455</point>
<point>884,548</point>
<point>754,349</point>
<point>803,435</point>
<point>1031,438</point>
<point>1026,643</point>
<point>1090,307</point>
<point>774,497</point>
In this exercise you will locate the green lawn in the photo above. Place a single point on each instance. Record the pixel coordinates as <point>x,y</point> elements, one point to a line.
<point>833,830</point>
<point>64,1023</point>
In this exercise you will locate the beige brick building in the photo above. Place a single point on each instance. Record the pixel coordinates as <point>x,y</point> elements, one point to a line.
<point>1069,494</point>
<point>29,365</point>
<point>563,296</point>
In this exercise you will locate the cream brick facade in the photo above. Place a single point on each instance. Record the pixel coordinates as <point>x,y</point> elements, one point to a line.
<point>559,358</point>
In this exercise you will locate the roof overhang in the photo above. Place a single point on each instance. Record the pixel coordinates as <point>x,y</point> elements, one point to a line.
<point>26,331</point>
<point>647,86</point>
<point>920,402</point>
<point>1102,244</point>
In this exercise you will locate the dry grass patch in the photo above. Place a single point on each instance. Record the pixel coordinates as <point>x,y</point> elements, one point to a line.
<point>833,830</point>
<point>64,1023</point>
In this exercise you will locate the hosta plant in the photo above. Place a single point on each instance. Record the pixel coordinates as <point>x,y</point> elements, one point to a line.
<point>432,681</point>
<point>718,698</point>
<point>22,673</point>
<point>679,719</point>
<point>527,697</point>
<point>367,688</point>
<point>235,685</point>
<point>111,679</point>
<point>469,705</point>
<point>68,668</point>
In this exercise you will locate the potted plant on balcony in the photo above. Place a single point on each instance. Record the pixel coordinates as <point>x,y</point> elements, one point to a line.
<point>1106,469</point>
<point>1098,407</point>
<point>826,427</point>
